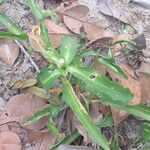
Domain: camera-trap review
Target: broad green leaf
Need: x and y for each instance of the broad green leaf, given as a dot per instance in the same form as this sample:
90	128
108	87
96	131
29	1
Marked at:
36	11
38	115
47	77
7	22
44	34
10	35
138	110
111	64
145	130
68	48
107	121
71	100
67	139
109	91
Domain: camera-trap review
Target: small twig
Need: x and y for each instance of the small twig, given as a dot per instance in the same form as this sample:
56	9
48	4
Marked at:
28	56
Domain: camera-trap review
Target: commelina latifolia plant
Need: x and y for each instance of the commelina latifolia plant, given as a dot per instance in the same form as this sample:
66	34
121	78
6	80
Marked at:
67	67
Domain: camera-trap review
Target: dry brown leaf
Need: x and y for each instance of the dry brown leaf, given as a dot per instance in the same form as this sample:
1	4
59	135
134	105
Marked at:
57	29
5	118
56	32
109	9
42	141
23	83
144	75
135	87
81	130
146	53
95	113
73	24
93	32
23	106
8	51
9	141
78	11
105	110
71	147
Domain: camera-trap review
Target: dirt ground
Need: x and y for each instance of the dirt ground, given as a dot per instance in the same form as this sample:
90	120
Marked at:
22	69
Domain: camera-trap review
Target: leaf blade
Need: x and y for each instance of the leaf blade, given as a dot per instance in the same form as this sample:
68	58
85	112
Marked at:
110	91
68	48
71	99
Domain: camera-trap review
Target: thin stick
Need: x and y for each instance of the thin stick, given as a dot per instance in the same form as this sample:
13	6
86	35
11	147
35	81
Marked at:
28	56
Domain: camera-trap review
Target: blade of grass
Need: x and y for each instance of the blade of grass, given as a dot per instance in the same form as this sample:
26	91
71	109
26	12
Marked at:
67	140
71	100
12	27
9	35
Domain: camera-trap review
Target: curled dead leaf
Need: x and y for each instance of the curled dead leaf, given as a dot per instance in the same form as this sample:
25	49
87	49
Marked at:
9	141
23	106
8	51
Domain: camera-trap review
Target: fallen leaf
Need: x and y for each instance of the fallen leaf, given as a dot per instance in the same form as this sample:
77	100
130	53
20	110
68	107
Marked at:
78	11
108	8
5	118
8	51
135	87
144	75
42	141
146	53
56	32
23	106
71	147
93	32
23	83
57	29
81	130
94	112
9	141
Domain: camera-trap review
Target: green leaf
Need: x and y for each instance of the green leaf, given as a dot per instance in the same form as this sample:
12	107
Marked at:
52	14
68	48
38	115
138	110
115	144
109	91
111	64
36	11
52	127
44	34
2	1
10	35
67	139
71	100
47	77
107	121
55	57
12	27
145	130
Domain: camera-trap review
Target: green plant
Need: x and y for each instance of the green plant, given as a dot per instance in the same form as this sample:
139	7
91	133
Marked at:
67	67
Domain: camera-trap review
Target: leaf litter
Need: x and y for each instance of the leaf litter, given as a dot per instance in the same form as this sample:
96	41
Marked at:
74	20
